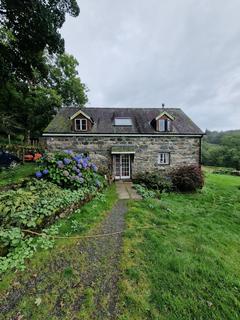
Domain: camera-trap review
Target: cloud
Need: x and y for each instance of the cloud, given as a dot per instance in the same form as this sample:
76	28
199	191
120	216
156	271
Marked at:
142	53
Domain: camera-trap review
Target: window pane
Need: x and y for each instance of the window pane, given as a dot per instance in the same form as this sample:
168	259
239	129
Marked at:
77	124
123	121
84	124
168	122
162	125
163	158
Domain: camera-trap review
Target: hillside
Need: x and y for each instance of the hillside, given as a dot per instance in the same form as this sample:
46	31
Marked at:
221	148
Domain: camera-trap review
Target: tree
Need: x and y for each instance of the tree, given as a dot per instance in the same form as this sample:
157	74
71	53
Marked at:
222	149
34	106
63	77
36	77
34	27
9	125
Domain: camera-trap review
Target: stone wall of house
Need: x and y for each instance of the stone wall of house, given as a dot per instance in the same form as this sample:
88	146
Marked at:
183	150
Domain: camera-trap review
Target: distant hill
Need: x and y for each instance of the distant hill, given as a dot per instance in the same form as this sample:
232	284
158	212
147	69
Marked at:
221	148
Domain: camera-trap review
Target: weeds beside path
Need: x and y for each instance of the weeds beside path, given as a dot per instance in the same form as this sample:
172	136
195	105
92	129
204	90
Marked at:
77	280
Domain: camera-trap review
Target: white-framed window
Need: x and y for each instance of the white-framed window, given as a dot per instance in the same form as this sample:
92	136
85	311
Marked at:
164	125
81	124
164	158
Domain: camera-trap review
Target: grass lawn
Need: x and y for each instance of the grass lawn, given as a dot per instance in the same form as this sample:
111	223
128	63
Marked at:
188	265
15	175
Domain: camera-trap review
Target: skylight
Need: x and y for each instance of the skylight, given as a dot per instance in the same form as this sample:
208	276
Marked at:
123	122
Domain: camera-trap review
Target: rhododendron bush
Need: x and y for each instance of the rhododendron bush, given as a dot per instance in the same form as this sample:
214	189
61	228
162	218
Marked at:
69	170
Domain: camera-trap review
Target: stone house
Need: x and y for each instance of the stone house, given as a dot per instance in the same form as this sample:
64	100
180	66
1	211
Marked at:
127	141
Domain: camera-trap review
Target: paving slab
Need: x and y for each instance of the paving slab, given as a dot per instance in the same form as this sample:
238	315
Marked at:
126	191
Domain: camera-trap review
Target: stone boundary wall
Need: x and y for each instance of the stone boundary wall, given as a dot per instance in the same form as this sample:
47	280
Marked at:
183	150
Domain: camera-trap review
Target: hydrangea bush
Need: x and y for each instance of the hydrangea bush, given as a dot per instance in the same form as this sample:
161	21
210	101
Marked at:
69	170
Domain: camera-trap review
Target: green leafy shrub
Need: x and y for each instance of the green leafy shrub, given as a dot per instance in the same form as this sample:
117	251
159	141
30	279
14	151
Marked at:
36	202
187	178
144	192
155	180
70	170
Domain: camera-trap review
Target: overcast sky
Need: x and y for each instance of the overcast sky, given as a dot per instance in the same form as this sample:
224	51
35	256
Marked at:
142	53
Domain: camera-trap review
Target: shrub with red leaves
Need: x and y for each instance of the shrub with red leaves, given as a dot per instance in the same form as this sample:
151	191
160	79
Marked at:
187	178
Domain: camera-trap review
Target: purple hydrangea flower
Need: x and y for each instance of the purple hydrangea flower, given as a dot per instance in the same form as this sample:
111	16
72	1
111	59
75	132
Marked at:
84	164
76	159
60	164
68	152
78	170
65	173
38	174
81	180
79	174
74	168
94	167
45	171
79	166
67	161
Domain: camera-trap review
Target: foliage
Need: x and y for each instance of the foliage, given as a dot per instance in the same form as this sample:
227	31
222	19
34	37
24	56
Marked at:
31	205
221	149
144	192
187	178
70	170
22	246
29	28
36	76
155	180
186	265
8	124
63	78
29	108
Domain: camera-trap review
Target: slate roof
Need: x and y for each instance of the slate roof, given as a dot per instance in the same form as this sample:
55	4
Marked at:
142	121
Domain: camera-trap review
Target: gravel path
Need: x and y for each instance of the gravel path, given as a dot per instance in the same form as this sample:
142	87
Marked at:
92	284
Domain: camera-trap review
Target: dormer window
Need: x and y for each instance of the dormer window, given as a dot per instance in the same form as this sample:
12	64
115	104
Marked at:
81	124
164	122
81	121
164	125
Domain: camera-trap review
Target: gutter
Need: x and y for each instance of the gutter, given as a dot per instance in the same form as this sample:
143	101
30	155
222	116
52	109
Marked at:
200	135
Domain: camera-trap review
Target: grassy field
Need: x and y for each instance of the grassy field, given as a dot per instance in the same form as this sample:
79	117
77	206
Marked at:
188	265
15	175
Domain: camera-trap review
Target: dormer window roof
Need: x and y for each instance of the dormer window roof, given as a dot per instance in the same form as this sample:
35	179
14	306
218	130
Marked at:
122	121
79	113
165	114
164	122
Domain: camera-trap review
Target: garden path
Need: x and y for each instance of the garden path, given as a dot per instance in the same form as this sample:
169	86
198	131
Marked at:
126	191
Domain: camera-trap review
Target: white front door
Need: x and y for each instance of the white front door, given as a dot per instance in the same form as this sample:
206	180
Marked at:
122	166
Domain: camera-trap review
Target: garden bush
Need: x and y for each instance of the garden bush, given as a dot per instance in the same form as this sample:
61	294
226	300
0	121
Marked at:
69	170
187	178
144	192
32	207
35	203
155	180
